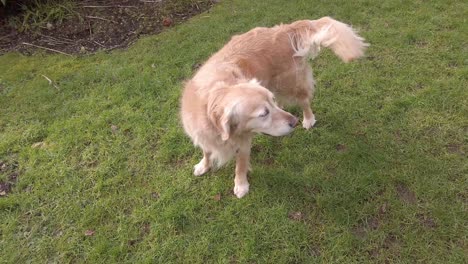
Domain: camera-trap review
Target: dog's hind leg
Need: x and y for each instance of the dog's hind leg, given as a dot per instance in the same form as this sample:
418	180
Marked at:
204	165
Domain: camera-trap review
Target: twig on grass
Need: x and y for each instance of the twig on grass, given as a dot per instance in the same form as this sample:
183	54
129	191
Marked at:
51	82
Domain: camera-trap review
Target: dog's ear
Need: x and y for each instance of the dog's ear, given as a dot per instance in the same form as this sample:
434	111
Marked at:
221	114
221	118
224	126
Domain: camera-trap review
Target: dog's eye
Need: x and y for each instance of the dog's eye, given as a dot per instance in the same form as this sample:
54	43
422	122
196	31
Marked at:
265	113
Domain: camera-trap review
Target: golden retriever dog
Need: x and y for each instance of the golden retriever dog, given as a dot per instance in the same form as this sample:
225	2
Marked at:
233	95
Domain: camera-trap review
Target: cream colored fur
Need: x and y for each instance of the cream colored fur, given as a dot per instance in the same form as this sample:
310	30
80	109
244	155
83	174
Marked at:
232	96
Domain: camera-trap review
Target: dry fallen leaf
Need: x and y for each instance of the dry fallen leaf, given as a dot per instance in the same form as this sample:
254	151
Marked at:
383	208
39	145
217	197
167	22
295	215
114	128
89	232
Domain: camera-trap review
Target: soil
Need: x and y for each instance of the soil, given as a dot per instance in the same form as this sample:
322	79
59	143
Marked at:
341	147
372	222
100	25
427	221
405	194
11	169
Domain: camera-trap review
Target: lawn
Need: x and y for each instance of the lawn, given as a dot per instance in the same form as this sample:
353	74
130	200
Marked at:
97	168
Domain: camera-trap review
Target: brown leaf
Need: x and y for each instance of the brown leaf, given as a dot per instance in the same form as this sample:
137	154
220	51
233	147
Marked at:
383	208
217	197
3	166
114	128
89	232
167	22
373	222
295	216
155	195
39	145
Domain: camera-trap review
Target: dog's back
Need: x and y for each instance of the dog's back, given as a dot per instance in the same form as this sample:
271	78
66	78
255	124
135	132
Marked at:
266	52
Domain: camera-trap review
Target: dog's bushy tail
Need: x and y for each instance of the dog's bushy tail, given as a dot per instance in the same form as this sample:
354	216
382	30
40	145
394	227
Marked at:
329	33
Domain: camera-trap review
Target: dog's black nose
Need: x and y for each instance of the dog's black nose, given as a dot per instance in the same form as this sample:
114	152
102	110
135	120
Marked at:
293	121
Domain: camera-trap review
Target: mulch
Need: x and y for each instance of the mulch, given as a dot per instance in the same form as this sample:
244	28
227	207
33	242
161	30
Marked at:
100	25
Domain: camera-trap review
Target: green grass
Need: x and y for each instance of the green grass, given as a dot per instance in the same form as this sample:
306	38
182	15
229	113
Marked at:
383	176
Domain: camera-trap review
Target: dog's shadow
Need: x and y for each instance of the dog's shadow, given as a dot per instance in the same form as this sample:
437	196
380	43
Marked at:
280	183
276	170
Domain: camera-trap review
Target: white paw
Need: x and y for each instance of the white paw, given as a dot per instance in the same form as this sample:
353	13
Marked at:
308	123
240	190
200	169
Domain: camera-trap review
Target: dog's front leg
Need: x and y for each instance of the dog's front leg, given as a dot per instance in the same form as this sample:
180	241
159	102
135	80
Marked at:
241	184
204	165
309	117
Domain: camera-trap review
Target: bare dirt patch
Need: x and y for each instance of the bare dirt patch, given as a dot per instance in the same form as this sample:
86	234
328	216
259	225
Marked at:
455	149
5	188
341	147
389	244
427	221
405	194
11	169
100	25
370	223
365	226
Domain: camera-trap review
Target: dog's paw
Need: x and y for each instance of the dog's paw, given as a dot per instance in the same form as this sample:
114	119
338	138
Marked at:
200	169
308	123
240	190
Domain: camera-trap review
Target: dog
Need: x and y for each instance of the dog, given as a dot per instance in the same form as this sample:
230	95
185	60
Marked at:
233	95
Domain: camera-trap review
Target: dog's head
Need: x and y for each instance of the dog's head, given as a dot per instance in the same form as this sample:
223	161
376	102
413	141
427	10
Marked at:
246	108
